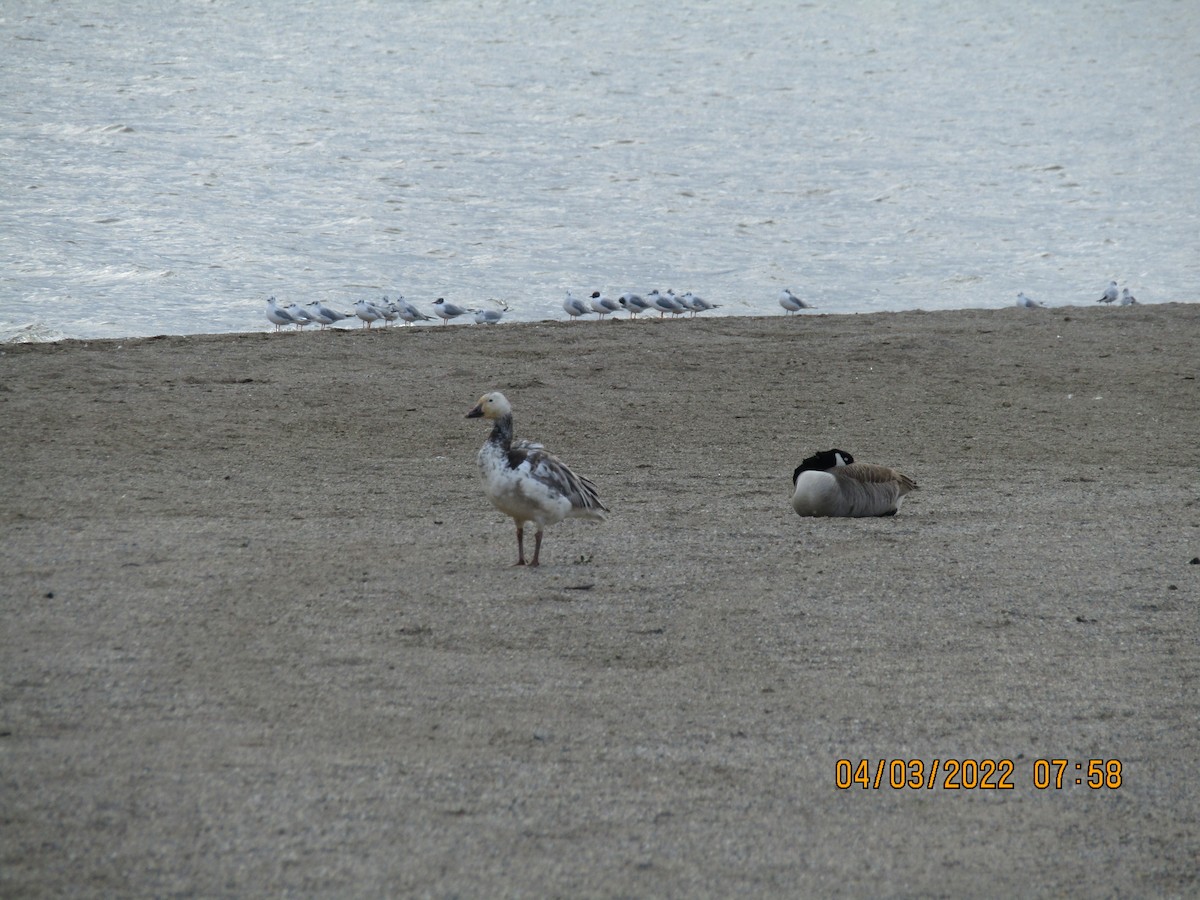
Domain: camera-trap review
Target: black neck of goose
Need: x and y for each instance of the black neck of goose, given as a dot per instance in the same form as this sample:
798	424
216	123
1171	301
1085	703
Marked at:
502	432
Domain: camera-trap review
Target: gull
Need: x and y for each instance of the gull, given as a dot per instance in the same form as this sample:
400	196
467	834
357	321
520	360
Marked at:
831	483
681	308
324	315
491	317
634	303
697	304
1127	299
574	307
602	305
1029	302
664	303
410	313
527	482
299	315
367	311
792	303
278	317
447	311
389	310
1110	293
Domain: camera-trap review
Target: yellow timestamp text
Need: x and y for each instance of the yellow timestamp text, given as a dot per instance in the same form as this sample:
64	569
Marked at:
954	774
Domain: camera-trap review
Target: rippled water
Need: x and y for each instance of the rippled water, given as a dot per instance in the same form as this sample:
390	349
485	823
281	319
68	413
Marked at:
167	166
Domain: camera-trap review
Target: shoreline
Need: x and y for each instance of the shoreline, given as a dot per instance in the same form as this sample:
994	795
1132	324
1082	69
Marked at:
263	634
16	330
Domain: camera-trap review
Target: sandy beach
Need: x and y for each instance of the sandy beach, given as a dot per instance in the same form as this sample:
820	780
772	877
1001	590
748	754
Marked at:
262	634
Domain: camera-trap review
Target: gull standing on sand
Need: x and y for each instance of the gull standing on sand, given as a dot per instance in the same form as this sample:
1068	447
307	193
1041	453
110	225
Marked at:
1029	302
410	313
602	305
324	315
831	483
663	303
299	315
697	304
1110	293
1127	299
389	310
366	311
792	303
527	482
491	316
276	316
574	307
447	311
634	303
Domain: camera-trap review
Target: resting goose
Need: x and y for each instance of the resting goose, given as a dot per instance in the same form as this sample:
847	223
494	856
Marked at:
831	483
526	481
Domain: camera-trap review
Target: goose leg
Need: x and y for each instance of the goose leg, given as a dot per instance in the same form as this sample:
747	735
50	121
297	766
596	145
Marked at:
537	547
521	545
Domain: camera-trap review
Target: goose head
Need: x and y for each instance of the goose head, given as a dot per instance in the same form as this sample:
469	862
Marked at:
491	406
823	462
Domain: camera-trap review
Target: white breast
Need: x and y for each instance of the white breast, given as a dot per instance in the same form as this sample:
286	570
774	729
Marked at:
817	494
516	493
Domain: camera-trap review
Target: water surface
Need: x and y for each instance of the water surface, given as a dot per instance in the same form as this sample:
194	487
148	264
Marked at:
169	166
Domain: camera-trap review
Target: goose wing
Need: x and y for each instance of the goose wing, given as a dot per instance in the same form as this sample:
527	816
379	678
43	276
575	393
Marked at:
869	473
548	470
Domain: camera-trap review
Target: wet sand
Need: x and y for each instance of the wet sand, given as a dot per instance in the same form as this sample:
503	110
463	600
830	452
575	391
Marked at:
262	634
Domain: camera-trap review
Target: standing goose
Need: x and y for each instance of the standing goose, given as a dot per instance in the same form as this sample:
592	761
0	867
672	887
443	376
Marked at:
831	483
526	481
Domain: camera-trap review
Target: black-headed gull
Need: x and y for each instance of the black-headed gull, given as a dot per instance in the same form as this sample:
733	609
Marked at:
389	310
491	316
697	304
1127	299
278	316
574	307
447	311
367	311
1029	302
664	303
410	313
324	315
299	315
792	303
1110	293
634	303
602	305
